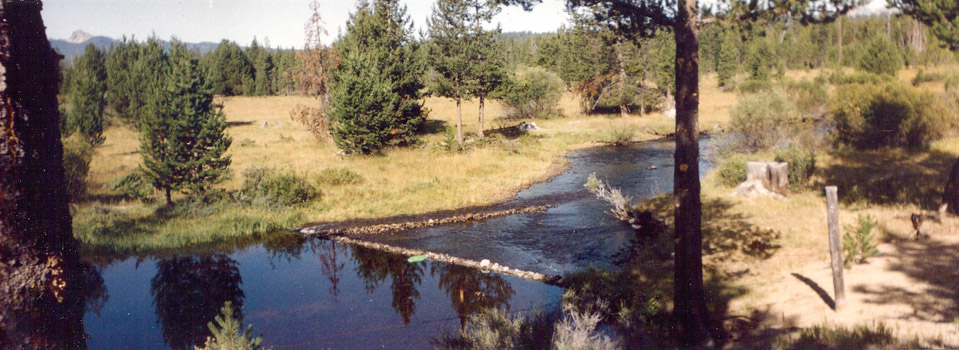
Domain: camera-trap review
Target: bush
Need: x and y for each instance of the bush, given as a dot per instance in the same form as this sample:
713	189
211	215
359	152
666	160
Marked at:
268	187
802	164
77	154
894	114
732	171
880	56
133	186
752	86
534	93
857	243
810	98
339	176
760	59
840	78
762	121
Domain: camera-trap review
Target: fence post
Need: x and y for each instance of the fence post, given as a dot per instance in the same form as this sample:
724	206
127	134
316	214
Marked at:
835	247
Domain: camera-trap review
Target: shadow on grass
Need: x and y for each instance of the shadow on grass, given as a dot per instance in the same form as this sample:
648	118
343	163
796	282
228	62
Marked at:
889	176
432	126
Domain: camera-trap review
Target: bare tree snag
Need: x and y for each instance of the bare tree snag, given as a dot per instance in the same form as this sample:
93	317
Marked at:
835	247
40	304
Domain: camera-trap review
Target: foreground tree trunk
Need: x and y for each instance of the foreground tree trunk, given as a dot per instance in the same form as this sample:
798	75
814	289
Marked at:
950	197
40	304
482	111
689	295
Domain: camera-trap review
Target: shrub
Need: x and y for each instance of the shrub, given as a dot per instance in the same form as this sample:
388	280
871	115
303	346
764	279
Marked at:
271	188
857	243
339	176
894	114
621	204
133	185
732	171
534	93
620	136
839	78
77	154
810	98
802	164
228	333
752	86
760	59
762	121
880	56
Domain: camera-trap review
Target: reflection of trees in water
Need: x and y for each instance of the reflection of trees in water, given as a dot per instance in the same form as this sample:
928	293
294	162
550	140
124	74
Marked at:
189	291
471	291
326	250
374	266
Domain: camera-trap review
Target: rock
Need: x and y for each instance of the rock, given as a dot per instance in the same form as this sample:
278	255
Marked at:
485	263
524	126
670	113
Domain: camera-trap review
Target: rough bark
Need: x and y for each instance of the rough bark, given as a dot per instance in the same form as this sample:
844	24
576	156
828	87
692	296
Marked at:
950	197
689	294
40	274
482	112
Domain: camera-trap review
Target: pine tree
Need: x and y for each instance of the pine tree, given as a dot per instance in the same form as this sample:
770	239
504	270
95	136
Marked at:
88	95
727	59
231	71
183	139
147	77
490	61
121	83
452	49
377	99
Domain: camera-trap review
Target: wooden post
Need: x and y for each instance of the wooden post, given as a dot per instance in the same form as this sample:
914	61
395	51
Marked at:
835	247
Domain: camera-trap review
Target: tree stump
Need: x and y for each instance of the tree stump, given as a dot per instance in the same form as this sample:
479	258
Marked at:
764	179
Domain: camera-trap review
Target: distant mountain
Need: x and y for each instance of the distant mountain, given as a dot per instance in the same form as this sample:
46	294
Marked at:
74	46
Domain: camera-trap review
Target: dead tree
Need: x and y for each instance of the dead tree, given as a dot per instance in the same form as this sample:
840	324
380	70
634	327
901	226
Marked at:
40	304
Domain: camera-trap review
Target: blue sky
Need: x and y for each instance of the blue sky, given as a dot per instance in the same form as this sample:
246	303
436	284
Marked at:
280	21
240	20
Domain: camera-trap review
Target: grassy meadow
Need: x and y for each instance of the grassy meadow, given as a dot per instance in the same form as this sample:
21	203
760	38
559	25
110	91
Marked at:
402	181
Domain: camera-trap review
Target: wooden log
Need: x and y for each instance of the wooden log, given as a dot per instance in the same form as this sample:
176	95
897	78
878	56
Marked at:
835	247
779	177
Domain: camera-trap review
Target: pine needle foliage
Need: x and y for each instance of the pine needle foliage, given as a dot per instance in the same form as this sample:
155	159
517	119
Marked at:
377	98
857	243
87	93
227	335
183	137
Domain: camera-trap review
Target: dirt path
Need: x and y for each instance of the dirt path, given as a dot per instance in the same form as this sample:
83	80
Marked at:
911	287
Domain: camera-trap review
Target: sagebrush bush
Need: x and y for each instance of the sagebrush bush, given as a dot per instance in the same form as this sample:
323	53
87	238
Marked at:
880	56
77	154
339	176
869	116
810	98
732	171
752	86
840	78
132	185
272	188
802	164
533	93
762	121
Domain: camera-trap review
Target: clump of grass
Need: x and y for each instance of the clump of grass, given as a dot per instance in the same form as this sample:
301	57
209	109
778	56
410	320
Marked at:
823	336
857	243
338	177
732	171
618	136
271	188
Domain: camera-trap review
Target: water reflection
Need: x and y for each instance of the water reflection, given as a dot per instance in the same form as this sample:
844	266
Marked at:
471	291
374	267
326	252
188	292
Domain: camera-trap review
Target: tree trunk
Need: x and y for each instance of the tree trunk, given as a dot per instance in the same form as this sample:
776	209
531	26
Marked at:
168	198
839	20
40	271
950	197
459	122
623	108
482	111
688	292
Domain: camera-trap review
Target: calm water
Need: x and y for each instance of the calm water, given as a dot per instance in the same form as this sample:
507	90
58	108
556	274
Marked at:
304	293
311	295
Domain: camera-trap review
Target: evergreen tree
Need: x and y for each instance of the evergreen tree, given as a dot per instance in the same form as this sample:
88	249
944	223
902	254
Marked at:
183	139
490	70
727	59
452	49
231	71
121	82
880	56
88	95
376	101
147	72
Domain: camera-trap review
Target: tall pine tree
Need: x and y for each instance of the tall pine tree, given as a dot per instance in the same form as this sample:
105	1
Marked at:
147	77
377	99
452	49
88	95
183	137
121	83
489	59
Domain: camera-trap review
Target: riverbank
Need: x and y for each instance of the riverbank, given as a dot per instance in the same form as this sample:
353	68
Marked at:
401	182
